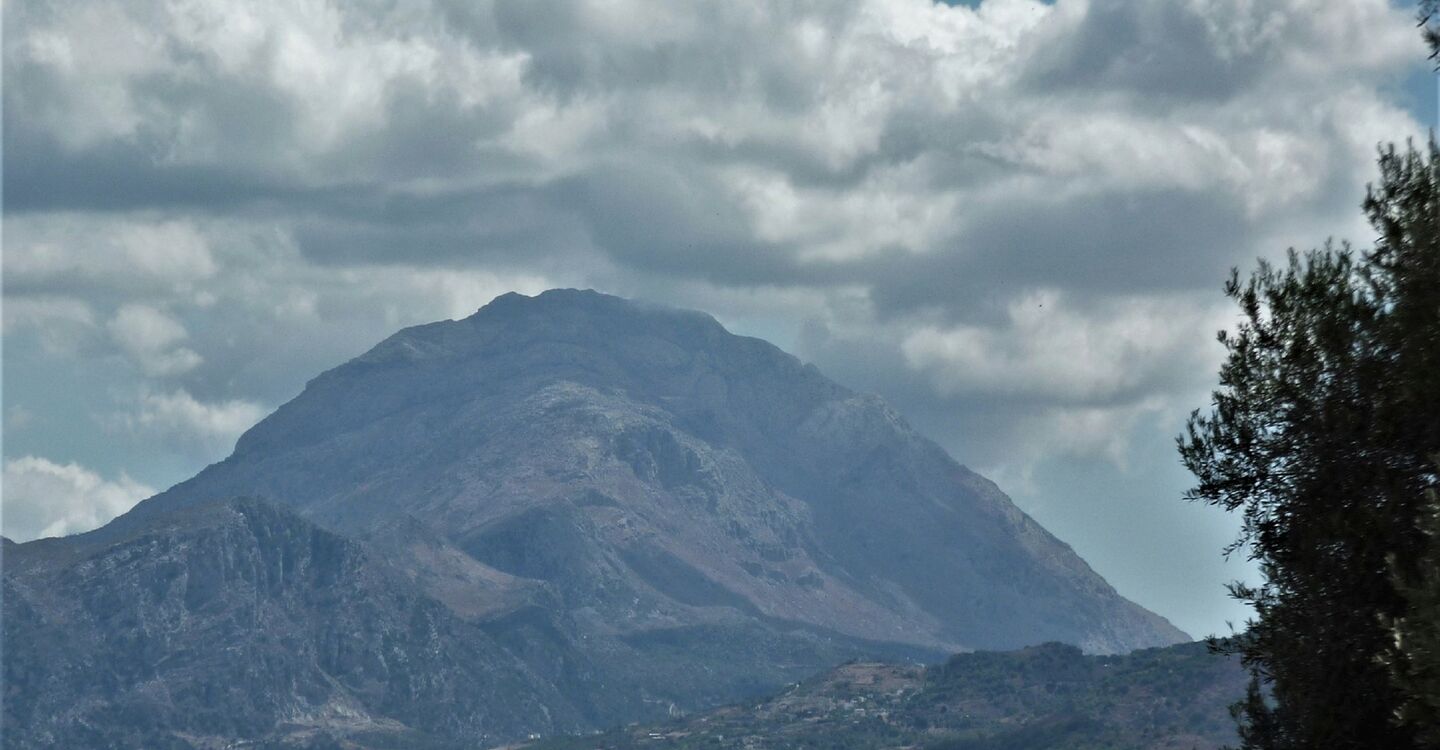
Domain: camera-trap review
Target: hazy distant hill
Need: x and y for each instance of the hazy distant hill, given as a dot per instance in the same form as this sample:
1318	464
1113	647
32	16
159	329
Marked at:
1048	697
605	511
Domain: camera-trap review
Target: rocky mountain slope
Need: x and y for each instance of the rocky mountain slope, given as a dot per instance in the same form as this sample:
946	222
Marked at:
240	619
1048	697
625	509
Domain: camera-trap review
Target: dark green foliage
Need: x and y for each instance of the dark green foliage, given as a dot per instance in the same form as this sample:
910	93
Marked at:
1320	436
1429	12
1254	717
1415	660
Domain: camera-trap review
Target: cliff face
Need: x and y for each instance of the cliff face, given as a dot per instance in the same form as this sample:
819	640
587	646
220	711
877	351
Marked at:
240	619
650	512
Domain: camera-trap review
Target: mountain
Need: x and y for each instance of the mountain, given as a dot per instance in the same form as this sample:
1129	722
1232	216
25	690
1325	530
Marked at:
625	510
1047	697
241	619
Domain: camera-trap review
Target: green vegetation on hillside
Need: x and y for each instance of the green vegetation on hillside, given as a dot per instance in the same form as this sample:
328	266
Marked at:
1049	696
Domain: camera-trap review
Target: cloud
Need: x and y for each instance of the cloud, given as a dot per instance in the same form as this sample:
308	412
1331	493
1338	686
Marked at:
63	325
98	254
1200	52
934	155
205	429
1054	350
151	338
44	498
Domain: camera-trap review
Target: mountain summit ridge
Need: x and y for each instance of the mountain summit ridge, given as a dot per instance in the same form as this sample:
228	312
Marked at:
640	505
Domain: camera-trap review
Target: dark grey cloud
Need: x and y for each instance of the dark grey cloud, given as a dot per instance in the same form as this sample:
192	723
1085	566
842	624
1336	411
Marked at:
1107	243
573	51
1180	53
498	224
41	176
661	220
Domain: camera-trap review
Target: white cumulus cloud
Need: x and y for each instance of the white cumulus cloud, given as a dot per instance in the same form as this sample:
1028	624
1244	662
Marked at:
151	339
180	419
1049	348
43	498
137	255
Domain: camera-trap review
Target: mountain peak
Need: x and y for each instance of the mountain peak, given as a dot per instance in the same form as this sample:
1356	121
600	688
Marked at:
550	298
589	312
566	300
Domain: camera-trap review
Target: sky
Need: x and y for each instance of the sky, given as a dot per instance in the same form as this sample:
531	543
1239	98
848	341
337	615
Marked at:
1011	219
